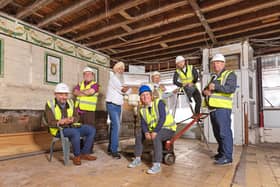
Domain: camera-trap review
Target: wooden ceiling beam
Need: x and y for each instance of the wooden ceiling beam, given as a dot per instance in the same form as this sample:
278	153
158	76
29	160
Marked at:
240	9
147	48
228	23
129	21
32	8
146	27
127	28
4	3
65	11
182	45
141	36
212	20
203	21
100	16
124	14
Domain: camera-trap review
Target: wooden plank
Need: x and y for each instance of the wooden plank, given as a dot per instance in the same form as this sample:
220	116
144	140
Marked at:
22	143
203	20
101	16
32	8
4	3
130	20
65	11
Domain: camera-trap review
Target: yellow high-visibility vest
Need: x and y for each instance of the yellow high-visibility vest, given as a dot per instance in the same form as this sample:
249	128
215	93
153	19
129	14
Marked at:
87	103
186	78
58	115
152	118
221	100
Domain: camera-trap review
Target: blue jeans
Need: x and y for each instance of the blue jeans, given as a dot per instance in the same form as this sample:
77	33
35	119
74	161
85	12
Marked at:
114	112
221	123
74	135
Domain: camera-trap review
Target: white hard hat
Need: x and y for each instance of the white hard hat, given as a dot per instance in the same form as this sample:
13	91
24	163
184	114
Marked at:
179	59
218	57
155	73
87	69
62	88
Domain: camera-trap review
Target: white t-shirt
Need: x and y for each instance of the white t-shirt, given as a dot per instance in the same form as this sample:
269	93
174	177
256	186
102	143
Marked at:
114	93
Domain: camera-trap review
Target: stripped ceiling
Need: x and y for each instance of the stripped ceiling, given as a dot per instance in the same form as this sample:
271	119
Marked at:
154	32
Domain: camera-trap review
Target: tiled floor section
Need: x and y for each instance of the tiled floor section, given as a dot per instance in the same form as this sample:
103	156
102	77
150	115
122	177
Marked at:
193	168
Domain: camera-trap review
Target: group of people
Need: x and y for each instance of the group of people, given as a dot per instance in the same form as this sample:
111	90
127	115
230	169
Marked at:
157	124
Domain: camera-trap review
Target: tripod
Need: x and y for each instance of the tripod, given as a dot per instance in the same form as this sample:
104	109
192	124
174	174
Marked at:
196	120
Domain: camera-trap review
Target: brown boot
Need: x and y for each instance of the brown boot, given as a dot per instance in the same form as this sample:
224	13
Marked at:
88	157
77	160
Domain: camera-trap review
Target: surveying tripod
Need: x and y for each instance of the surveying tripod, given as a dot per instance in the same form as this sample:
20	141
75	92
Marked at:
196	119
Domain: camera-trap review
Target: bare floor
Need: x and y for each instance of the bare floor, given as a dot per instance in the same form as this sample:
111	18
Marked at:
193	167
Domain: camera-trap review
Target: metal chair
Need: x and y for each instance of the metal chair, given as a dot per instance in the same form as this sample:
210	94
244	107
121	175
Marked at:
65	143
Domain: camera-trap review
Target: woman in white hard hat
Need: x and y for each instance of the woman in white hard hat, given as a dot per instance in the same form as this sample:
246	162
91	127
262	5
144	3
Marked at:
114	101
219	93
60	112
157	88
186	77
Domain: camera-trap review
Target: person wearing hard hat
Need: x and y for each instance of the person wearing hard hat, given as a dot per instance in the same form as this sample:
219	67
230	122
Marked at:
114	100
186	77
86	93
157	88
157	125
60	112
219	93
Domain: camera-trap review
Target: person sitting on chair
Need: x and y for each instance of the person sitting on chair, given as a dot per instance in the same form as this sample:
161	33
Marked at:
188	77
60	112
157	125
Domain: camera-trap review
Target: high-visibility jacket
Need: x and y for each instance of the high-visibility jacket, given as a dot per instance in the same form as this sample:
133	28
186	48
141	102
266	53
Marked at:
58	115
186	78
151	118
87	103
221	100
157	92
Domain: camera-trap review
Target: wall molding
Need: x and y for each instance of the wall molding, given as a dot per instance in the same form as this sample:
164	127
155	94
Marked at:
22	31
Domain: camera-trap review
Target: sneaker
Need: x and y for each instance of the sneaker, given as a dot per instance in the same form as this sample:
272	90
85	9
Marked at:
136	162
116	155
155	169
223	161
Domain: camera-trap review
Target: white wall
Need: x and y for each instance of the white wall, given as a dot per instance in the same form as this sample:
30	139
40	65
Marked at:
23	83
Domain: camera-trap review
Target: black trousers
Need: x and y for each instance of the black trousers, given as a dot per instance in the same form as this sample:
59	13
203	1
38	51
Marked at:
194	92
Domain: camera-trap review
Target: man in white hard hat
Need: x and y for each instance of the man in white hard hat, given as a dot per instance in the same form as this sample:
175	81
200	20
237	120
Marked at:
186	77
218	95
60	112
86	93
157	88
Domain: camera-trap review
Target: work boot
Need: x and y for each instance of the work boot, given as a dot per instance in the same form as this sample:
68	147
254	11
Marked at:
223	161
77	160
116	155
136	162
155	169
88	157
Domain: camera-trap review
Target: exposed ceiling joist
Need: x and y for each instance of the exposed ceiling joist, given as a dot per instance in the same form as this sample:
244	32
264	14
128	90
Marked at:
65	11
101	16
154	12
127	28
203	21
32	8
4	3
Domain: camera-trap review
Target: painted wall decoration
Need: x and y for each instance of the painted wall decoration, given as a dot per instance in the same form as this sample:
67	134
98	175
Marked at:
53	68
20	30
